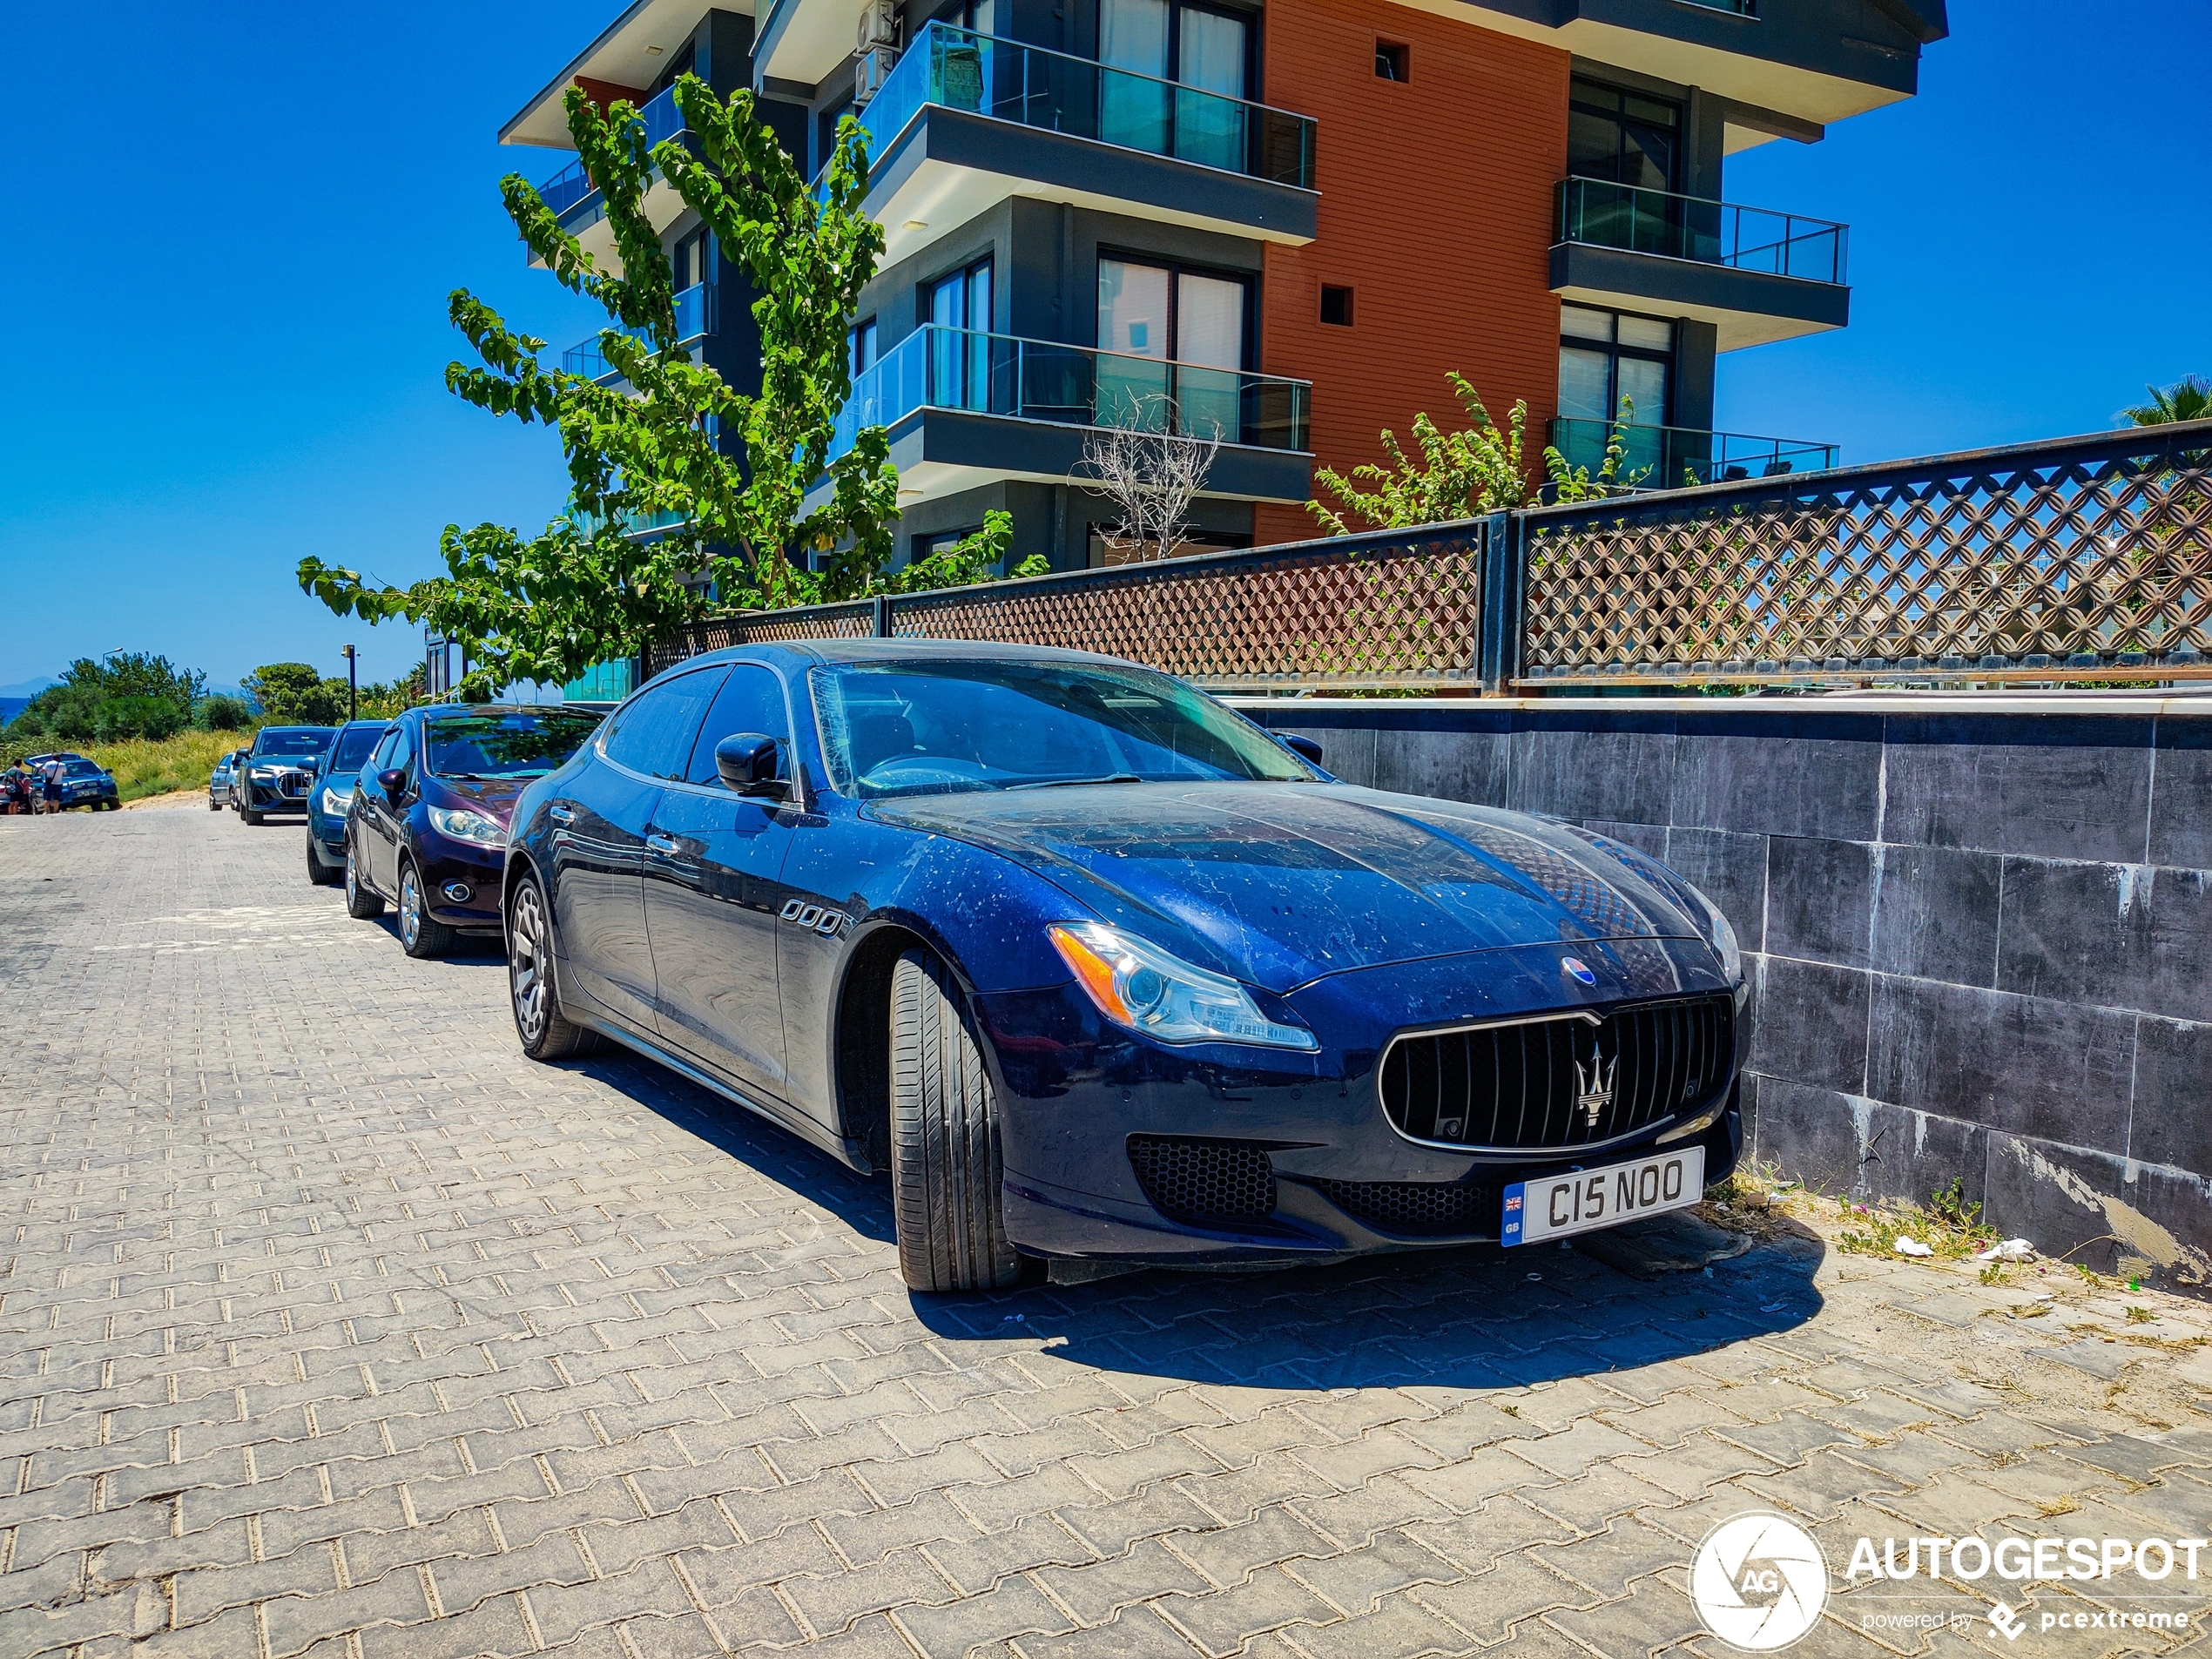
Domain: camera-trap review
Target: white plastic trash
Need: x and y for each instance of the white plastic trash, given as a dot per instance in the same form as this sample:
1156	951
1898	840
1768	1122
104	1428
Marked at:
1913	1247
2012	1250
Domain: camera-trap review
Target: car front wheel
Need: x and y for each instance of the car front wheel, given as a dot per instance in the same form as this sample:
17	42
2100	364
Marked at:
318	872
945	1164
362	903
421	934
546	1034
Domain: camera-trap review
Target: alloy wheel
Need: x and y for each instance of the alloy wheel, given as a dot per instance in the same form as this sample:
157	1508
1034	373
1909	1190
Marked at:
526	963
410	908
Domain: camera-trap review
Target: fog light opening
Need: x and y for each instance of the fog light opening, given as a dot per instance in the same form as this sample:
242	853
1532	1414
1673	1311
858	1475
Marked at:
457	891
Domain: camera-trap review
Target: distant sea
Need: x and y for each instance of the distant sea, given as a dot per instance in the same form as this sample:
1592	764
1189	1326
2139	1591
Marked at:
11	706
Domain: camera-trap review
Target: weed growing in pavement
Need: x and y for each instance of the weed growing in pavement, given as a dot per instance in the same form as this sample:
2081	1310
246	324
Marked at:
1950	1225
2140	1315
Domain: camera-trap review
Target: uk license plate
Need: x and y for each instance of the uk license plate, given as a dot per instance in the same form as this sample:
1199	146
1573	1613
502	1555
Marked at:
1584	1200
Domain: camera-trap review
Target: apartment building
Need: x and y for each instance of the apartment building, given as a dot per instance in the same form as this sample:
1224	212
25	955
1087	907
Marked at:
1275	222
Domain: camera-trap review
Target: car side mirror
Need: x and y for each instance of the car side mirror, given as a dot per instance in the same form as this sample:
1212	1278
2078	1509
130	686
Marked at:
1304	747
749	764
392	782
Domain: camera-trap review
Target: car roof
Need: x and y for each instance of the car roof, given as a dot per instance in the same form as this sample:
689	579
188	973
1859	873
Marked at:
796	652
428	709
280	731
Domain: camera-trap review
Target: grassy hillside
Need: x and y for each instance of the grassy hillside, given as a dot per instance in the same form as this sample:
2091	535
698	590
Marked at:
182	762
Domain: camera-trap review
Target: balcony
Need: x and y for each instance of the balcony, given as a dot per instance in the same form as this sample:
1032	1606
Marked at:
1757	275
940	150
1667	457
581	209
694	322
965	408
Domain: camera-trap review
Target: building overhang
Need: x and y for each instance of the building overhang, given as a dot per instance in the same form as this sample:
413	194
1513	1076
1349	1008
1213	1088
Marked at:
948	166
629	56
1748	307
1813	62
941	452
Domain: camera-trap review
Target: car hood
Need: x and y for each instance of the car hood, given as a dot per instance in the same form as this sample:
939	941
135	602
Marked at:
1283	883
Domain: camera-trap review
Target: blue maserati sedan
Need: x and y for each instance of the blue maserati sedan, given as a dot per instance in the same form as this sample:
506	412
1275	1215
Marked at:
1101	972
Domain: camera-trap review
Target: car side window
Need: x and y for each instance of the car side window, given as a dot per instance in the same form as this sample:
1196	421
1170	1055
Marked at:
752	699
653	731
381	757
402	751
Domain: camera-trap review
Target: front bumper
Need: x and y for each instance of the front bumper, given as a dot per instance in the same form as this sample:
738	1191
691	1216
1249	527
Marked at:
272	797
442	862
1083	1100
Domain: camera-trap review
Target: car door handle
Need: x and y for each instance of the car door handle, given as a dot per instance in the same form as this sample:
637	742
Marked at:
661	843
561	814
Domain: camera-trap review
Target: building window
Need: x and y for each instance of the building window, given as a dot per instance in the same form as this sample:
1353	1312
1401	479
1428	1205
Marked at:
864	346
1191	326
1605	357
693	260
1625	137
1336	306
1173	40
960	347
1393	61
1106	548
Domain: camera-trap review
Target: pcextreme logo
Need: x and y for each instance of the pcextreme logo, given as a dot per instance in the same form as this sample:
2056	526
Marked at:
1759	1582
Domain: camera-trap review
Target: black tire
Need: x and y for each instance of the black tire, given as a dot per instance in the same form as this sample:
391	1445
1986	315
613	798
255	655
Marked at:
215	805
318	872
945	1166
532	991
363	903
250	819
421	934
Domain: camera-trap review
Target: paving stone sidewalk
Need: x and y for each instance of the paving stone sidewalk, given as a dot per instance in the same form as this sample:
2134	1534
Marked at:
330	1324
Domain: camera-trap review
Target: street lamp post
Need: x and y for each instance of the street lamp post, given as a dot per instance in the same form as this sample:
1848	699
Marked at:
353	685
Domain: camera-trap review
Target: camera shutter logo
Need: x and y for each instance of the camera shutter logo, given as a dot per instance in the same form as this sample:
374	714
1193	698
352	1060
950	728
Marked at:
1759	1582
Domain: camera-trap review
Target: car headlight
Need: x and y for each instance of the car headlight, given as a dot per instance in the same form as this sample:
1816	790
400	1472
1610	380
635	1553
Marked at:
465	823
1140	986
1722	936
336	801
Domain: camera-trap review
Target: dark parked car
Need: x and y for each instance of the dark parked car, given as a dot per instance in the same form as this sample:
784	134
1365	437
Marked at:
330	793
1099	969
85	783
427	829
278	770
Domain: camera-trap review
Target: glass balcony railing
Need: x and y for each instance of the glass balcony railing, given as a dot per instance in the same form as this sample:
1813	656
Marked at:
1667	457
1040	379
570	186
1603	214
694	320
962	70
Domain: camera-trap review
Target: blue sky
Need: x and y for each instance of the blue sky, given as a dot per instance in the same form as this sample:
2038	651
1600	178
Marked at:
237	227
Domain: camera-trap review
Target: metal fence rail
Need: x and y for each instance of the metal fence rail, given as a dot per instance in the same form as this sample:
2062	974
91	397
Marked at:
2088	553
2087	558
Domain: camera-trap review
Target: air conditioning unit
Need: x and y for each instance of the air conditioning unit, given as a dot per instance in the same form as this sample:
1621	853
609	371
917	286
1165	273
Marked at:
876	52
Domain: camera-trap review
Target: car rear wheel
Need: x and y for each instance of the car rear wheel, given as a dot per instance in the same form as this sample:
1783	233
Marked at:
546	1034
318	872
421	934
945	1166
362	903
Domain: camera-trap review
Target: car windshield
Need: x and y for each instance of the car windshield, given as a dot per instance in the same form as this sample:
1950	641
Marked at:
936	726
290	744
353	746
80	769
522	743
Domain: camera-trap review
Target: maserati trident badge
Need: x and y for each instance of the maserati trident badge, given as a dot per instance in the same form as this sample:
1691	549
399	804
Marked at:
1594	1086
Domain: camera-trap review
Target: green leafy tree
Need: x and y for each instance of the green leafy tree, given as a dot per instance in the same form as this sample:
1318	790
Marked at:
381	701
976	558
1464	474
221	714
2188	398
293	694
586	589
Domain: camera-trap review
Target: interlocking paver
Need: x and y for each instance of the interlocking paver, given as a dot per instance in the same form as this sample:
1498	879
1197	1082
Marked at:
329	1325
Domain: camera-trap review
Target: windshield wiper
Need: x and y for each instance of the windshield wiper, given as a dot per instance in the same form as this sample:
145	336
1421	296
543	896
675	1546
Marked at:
1066	783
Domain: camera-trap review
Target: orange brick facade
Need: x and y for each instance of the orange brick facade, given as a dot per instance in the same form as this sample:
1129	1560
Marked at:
1436	210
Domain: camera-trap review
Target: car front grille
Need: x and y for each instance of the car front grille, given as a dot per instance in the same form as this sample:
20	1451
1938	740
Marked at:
1204	1182
1545	1082
1417	1209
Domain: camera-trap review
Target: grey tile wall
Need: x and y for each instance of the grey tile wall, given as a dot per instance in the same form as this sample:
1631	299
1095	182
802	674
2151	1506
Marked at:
1981	943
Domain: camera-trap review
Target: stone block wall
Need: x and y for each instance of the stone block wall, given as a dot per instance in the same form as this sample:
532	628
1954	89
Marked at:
1978	929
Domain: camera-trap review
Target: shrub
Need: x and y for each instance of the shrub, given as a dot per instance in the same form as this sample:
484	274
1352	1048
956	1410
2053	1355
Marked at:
220	714
151	717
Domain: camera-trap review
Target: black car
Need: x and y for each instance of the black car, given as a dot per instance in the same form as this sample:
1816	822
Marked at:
278	770
1099	969
427	827
330	795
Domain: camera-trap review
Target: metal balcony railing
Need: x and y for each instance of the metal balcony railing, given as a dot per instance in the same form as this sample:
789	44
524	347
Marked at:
1602	215
1667	457
694	321
570	186
961	69
1042	380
